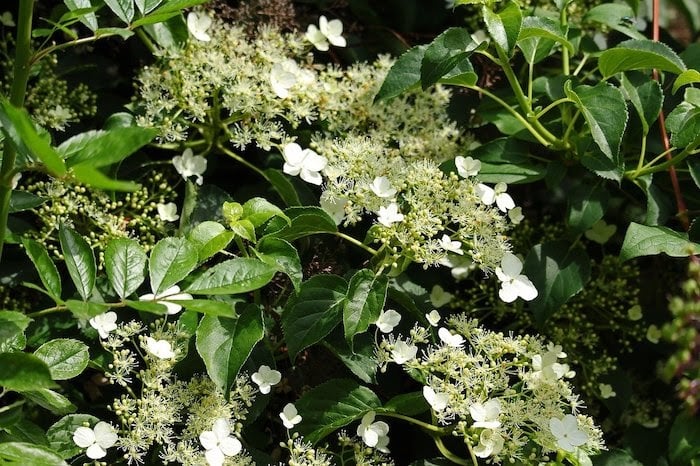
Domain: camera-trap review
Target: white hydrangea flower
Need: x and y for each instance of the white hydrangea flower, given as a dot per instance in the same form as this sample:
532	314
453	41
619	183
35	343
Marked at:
104	323
606	391
467	166
567	433
97	440
287	74
162	349
164	298
513	283
455	340
490	443
167	212
403	352
303	162
198	24
266	378
189	164
381	186
388	320
437	400
439	297
328	31
448	245
387	216
374	434
496	194
334	206
546	366
516	215
433	317
290	416
460	266
219	443
486	415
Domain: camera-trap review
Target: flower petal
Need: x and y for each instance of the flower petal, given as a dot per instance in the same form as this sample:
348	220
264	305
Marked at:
84	437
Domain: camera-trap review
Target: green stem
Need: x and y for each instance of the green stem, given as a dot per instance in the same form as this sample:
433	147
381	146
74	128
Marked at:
451	456
433	429
565	52
146	41
241	160
55	48
471	450
552	105
650	168
642	151
18	91
356	242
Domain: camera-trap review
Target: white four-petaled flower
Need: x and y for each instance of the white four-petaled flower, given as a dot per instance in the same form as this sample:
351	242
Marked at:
448	245
328	31
303	162
496	194
439	297
162	349
334	206
104	323
265	378
167	212
387	216
513	283
287	74
219	443
467	166
381	186
567	433
164	298
374	434
455	340
436	400
486	414
189	164
388	320
433	317
198	24
290	416
490	443
97	440
403	352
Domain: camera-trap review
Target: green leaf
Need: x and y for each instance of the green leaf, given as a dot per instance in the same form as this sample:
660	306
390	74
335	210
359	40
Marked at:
637	54
124	33
615	457
168	30
587	205
30	454
60	434
283	256
177	5
147	306
504	26
66	358
280	182
685	78
24	372
642	240
408	404
613	15
360	359
646	96
146	6
544	28
259	210
209	238
688	131
23	200
365	300
605	111
92	176
85	310
100	148
172	259
80	260
225	344
233	214
558	271
51	400
535	48
333	405
124	9
48	272
233	276
305	221
684	439
443	54
405	74
314	312
207	306
25	430
21	133
12	327
125	264
89	19
506	160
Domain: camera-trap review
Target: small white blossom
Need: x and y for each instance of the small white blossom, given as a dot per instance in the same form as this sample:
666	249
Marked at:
328	31
606	391
516	215
436	400
546	366
513	283
456	340
448	245
433	317
96	440
496	194
167	212
600	232
189	164
219	443
467	166
387	216
290	416
285	75
15	178
490	443
653	334
381	186
439	297
403	352
303	162
374	434
486	414
164	298
104	323
6	19
635	312
265	378
162	349
198	24
334	206
460	266
567	433
388	320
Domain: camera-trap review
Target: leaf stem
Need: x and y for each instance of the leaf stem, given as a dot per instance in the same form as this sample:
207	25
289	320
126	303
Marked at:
449	455
433	429
552	105
356	242
241	160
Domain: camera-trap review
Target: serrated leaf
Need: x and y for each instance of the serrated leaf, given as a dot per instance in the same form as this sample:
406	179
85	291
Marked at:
124	9
89	19
687	77
305	221
25	430
45	266
314	312
361	359
233	276
85	310
283	256
172	259
66	358
646	97
51	400
24	372
403	75
60	434
364	302
504	26
12	327
92	176
224	344
636	54
684	439
642	240
209	238
443	54
688	131
587	205
535	49
125	264
100	148
259	210
146	6
80	260
333	405
29	453
544	28
613	15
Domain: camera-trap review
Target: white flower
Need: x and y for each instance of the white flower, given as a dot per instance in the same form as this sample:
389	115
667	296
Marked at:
486	415
167	212
104	323
334	206
219	443
328	31
16	177
448	245
388	320
266	378
381	186
96	440
389	215
162	349
460	266
197	25
513	283
436	400
516	215
439	297
374	434
283	76
290	416
171	294
402	352
600	232
467	166
546	366
189	164
490	443
606	391
449	339
635	312
496	194
306	163
567	433
433	317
